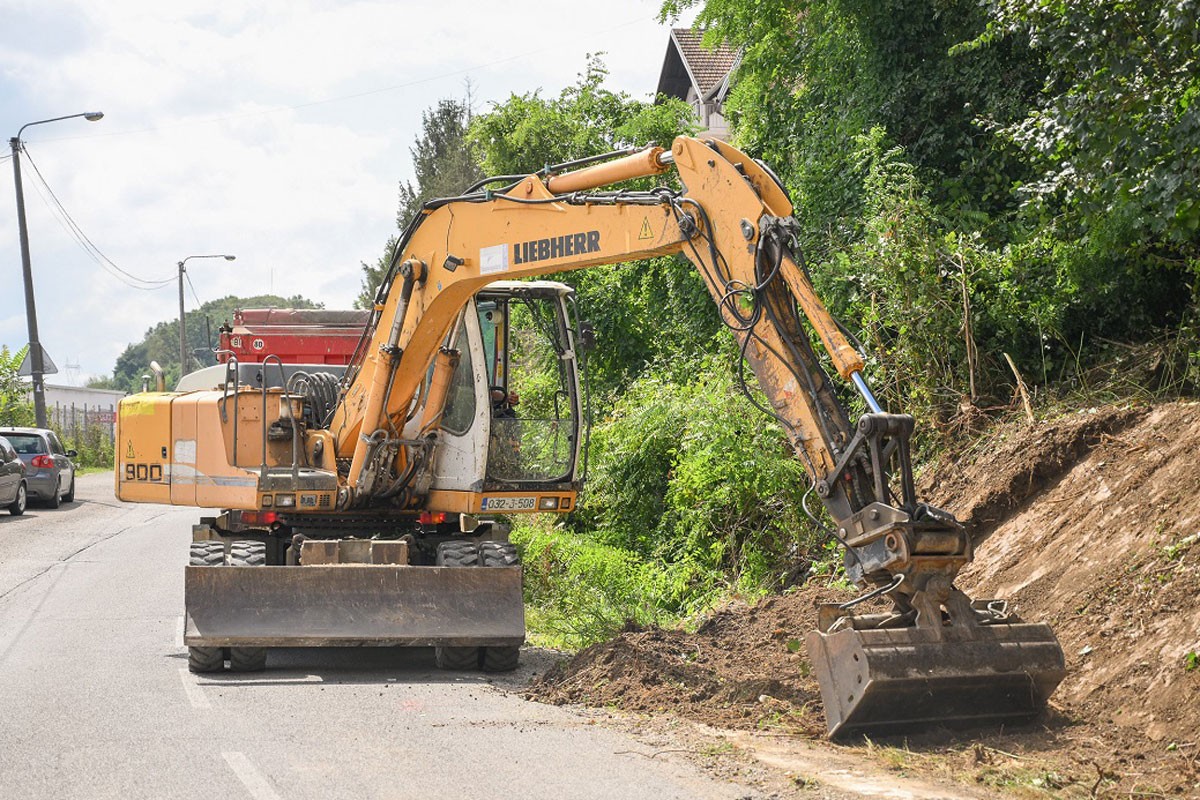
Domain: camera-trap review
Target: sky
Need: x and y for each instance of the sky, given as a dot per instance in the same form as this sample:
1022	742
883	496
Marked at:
273	130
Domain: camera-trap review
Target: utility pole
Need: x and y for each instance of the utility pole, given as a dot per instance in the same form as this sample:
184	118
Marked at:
183	348
37	365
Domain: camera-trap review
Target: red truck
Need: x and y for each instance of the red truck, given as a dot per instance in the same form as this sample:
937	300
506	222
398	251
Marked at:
295	335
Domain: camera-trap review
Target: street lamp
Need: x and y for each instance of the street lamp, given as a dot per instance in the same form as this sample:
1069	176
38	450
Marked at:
183	352
35	347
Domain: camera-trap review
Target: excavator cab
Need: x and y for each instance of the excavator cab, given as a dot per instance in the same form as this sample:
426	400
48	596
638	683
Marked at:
512	422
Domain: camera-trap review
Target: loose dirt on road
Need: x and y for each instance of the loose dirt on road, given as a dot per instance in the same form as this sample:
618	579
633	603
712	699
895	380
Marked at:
1090	522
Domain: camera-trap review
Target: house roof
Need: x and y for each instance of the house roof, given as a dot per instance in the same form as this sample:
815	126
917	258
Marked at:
689	63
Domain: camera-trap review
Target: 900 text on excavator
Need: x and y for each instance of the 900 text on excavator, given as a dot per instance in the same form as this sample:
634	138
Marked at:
353	501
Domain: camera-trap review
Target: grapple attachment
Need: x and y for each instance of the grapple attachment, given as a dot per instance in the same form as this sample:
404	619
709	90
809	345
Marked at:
887	680
348	605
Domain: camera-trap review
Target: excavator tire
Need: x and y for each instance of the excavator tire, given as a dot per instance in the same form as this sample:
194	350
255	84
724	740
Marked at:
247	553
499	554
457	554
456	658
206	659
501	659
207	554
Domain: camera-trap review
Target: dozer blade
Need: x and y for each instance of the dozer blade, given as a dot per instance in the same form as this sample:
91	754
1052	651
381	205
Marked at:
886	681
349	605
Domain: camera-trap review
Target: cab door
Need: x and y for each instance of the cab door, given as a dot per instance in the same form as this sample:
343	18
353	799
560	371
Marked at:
462	440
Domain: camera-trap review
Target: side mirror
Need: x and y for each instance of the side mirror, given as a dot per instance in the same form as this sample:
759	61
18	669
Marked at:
587	336
71	454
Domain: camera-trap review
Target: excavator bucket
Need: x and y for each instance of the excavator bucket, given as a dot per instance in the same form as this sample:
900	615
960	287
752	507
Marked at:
353	604
889	680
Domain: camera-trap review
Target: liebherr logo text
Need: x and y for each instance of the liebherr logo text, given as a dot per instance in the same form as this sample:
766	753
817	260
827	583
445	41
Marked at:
572	244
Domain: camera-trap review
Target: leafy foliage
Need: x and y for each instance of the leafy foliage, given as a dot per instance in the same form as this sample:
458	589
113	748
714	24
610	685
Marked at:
974	180
15	409
1115	132
528	132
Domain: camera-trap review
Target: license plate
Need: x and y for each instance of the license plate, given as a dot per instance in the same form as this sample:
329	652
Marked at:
509	503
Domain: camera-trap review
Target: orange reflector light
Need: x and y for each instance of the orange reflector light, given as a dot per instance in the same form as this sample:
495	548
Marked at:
432	518
259	517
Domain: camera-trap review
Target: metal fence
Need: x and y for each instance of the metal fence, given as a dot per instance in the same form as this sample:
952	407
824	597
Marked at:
83	422
88	429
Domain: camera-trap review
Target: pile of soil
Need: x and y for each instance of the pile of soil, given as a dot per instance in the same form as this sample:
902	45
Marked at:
1089	523
744	667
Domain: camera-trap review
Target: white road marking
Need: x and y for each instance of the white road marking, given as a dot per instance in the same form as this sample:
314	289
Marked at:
179	634
195	694
255	782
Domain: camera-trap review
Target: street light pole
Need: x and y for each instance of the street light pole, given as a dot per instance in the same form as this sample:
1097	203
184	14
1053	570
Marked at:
37	365
183	351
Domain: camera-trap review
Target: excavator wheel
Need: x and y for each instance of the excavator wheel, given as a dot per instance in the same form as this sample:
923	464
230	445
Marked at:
457	554
498	554
206	659
501	659
247	553
456	658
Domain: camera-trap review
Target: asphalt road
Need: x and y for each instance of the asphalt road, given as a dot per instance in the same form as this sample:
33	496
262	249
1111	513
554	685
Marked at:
96	700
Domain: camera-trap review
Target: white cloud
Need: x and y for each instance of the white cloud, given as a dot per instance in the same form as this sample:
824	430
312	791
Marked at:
274	130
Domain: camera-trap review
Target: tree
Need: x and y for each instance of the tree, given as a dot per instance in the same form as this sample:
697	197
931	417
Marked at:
527	132
443	167
15	408
1115	134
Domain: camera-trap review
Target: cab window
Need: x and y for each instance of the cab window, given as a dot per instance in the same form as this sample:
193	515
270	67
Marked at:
459	413
530	387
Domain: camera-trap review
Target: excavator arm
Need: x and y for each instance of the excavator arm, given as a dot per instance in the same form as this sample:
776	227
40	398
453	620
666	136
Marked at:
938	655
732	221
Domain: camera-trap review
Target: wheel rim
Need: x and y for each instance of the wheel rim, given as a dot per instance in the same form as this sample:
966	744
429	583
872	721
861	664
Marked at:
21	497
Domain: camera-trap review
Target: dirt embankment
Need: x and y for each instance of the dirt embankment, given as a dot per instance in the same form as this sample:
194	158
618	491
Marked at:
1089	523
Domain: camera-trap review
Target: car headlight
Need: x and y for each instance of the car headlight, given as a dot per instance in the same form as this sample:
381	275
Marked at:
285	500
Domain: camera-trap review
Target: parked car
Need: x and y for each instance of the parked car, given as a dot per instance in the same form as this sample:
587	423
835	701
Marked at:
49	470
13	491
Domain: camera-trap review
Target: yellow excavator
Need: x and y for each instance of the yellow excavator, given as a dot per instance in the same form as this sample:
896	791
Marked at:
366	506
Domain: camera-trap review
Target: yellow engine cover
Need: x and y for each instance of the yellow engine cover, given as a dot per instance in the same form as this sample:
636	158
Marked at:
175	448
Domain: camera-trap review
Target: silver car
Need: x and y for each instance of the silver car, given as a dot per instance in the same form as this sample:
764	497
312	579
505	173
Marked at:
49	470
12	479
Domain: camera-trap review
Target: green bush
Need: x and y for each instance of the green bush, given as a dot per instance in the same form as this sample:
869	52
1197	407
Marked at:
580	591
694	495
93	444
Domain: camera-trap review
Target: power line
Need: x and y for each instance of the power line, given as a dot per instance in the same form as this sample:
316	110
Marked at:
188	277
81	238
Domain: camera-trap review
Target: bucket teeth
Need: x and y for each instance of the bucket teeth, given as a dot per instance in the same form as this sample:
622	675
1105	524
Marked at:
884	681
